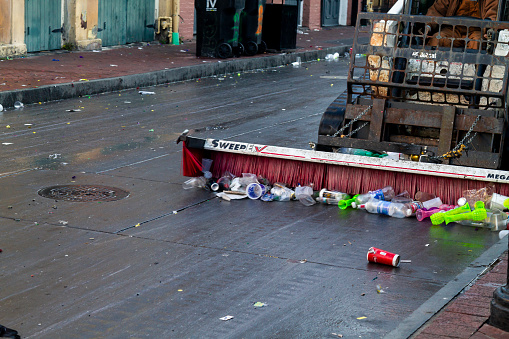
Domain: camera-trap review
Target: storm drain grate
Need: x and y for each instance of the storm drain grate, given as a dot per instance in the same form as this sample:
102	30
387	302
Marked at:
83	193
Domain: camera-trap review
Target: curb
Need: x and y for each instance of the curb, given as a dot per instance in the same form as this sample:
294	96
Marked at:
56	92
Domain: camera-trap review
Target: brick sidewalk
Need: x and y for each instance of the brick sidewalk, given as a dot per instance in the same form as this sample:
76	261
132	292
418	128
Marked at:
467	315
58	67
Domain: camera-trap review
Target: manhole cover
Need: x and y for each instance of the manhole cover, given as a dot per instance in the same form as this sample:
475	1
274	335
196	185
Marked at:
83	193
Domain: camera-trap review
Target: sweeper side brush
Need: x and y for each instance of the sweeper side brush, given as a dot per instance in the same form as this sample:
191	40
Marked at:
337	171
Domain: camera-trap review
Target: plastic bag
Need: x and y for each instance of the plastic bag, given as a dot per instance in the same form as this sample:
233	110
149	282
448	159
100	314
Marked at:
484	194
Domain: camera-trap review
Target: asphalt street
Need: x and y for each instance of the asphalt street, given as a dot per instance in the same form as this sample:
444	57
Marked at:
169	263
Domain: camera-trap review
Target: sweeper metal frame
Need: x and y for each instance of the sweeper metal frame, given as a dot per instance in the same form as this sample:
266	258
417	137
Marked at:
446	105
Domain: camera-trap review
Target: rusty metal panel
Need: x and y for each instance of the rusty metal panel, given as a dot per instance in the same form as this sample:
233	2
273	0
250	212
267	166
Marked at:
446	130
377	120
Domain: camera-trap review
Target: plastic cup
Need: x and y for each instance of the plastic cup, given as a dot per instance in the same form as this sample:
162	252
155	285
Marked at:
255	191
379	256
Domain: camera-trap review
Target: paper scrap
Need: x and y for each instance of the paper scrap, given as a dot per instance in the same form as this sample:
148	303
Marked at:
259	304
360	318
226	318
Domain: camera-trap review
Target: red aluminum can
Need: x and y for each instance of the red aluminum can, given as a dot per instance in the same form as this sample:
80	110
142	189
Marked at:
383	257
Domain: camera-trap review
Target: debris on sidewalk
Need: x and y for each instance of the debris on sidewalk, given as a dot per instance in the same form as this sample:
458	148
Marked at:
146	93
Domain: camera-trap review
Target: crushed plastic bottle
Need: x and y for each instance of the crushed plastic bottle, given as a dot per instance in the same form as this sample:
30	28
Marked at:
196	182
393	209
282	193
403	198
328	201
386	193
18	105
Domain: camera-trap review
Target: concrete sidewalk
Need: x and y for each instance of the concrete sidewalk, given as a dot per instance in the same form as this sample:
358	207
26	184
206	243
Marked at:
49	76
60	75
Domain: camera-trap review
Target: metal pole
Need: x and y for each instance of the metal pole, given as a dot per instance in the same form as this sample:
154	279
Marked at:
499	307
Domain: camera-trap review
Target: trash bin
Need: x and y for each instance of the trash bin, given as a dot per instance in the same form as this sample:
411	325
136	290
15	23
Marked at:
251	23
280	26
217	28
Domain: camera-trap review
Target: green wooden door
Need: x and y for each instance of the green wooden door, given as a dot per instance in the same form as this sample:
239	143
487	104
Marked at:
140	14
126	21
43	25
112	22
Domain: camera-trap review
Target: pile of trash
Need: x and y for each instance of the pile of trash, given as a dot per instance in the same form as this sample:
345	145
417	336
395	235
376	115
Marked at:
480	208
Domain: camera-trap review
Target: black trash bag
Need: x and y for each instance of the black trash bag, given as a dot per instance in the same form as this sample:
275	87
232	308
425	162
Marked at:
8	333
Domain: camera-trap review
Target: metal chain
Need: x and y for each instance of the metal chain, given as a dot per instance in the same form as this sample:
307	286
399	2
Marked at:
356	130
462	145
351	122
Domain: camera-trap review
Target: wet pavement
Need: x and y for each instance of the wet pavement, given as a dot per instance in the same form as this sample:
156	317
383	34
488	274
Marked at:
168	262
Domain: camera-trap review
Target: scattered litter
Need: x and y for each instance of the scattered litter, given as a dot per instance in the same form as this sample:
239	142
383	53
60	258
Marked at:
405	261
18	105
259	304
83	79
303	261
226	318
220	79
54	156
127	102
151	130
6	143
146	93
330	57
114	65
175	212
379	256
63	222
360	318
73	110
363	294
1	108
8	126
379	289
55	60
337	335
426	245
180	290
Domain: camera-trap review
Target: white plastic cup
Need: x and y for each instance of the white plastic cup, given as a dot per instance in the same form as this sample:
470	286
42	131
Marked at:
497	201
255	191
